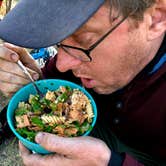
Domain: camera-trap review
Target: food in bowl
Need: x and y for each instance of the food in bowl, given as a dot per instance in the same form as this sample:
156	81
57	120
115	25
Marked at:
65	112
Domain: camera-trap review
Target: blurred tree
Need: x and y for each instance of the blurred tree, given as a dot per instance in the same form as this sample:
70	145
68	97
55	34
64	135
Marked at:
1	2
8	5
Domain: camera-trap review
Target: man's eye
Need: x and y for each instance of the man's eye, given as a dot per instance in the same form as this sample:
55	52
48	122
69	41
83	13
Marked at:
85	40
85	43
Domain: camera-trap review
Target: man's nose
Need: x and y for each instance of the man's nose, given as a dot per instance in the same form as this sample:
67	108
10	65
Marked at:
66	62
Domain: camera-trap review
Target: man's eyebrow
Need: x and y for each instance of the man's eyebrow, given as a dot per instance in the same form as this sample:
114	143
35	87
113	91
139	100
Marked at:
82	29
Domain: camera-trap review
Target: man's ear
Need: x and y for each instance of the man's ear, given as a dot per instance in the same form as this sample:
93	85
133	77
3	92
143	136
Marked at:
157	23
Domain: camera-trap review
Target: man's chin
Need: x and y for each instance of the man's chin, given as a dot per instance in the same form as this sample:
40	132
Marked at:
103	91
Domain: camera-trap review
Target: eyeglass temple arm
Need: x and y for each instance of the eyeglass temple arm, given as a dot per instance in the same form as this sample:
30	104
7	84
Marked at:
111	30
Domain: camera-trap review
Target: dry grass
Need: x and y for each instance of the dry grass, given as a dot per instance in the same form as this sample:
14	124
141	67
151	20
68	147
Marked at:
9	153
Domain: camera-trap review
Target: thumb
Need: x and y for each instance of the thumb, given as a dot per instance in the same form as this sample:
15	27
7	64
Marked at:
22	52
62	145
24	56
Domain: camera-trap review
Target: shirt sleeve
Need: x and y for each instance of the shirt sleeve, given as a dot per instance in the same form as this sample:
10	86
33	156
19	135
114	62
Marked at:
123	159
49	69
116	159
129	160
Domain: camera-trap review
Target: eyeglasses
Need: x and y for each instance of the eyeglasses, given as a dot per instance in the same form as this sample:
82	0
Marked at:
84	54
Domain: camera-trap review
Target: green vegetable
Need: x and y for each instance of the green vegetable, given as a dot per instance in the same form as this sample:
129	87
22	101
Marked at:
48	129
21	111
62	98
29	135
37	107
85	127
35	103
53	106
23	108
45	101
68	88
37	121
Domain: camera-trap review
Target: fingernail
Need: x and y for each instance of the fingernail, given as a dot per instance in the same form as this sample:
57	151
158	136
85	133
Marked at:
14	57
39	137
35	76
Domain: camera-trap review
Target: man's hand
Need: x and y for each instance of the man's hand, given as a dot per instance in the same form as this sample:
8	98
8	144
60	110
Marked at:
77	151
11	76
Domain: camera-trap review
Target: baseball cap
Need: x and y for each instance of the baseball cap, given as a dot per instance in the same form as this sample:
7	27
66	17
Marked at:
42	23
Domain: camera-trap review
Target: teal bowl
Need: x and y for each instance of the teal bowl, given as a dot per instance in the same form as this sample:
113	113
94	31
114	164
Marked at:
44	86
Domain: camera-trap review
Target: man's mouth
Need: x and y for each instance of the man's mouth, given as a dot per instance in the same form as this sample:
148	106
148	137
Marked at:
88	83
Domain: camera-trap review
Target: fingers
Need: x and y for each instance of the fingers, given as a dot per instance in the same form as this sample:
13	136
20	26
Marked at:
10	83
9	89
65	145
11	67
55	143
30	159
69	151
11	78
24	56
34	74
8	55
23	149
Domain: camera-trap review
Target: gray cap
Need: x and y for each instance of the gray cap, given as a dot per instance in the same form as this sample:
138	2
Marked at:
42	23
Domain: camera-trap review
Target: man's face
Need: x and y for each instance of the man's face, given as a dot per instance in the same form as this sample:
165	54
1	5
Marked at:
115	61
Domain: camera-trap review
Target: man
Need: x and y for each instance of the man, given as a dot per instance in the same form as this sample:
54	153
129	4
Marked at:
116	49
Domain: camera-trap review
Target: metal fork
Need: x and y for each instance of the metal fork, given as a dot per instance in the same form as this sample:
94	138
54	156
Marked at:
24	69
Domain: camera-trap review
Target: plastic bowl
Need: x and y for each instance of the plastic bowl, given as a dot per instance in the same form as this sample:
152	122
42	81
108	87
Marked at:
44	86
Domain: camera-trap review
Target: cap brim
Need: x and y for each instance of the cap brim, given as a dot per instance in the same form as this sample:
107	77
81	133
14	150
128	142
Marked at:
38	23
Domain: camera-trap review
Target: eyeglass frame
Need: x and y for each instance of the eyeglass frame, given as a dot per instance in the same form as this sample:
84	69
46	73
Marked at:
94	45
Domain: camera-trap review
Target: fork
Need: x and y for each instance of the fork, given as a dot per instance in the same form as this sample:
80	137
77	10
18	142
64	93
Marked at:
24	69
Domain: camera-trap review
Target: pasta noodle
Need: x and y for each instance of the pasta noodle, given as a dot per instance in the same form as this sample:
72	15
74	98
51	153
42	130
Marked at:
52	119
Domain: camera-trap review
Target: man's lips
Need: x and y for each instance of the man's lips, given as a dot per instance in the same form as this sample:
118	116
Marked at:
88	83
